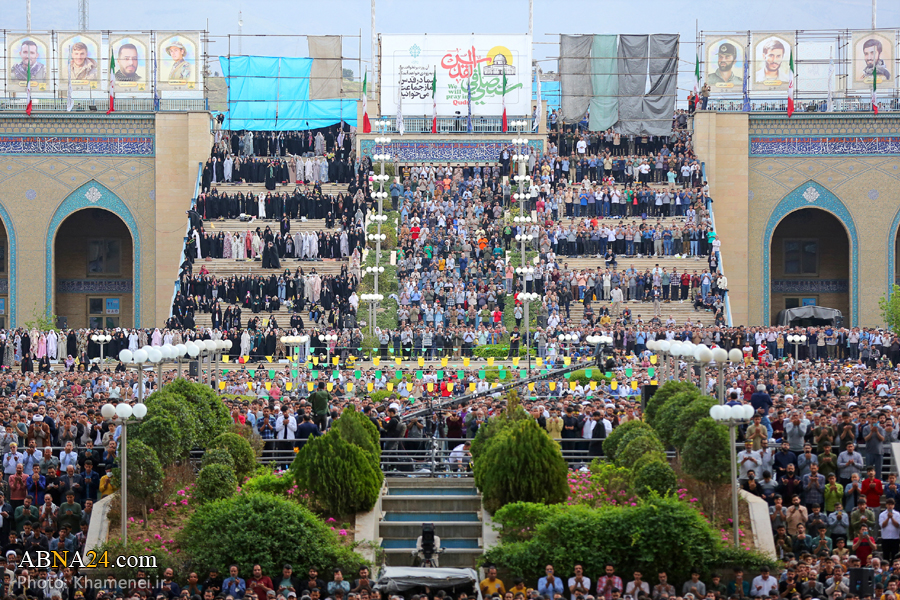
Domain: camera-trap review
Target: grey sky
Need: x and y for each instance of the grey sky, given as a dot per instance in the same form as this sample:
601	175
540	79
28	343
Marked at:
348	17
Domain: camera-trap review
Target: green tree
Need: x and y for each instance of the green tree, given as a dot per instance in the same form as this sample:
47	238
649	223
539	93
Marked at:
706	456
521	464
659	533
655	476
214	482
667	417
218	456
688	417
636	448
357	429
240	450
890	308
612	441
339	475
145	476
662	395
247	529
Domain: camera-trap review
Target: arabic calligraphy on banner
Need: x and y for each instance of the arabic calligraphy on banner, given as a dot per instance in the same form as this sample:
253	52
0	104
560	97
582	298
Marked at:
410	63
825	146
76	145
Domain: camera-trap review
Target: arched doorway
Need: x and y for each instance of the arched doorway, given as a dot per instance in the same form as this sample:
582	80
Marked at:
810	263
93	270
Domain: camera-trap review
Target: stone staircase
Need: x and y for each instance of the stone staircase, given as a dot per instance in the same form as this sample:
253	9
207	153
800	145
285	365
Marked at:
452	504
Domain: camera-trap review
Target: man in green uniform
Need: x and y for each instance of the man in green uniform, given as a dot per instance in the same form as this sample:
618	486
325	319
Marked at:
724	76
320	399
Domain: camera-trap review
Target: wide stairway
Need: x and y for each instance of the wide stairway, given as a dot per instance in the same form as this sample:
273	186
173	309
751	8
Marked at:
681	312
452	504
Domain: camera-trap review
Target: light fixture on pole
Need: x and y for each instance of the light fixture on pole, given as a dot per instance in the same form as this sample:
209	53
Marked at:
102	340
702	356
527	298
797	341
122	412
193	351
720	356
733	417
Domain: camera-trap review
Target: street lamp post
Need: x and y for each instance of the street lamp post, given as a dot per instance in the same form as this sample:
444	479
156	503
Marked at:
527	298
180	352
733	417
796	340
295	341
138	359
193	351
102	340
124	411
372	301
703	356
325	339
720	355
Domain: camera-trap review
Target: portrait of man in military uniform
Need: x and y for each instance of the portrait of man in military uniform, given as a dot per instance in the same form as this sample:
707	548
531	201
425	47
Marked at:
725	75
180	70
29	53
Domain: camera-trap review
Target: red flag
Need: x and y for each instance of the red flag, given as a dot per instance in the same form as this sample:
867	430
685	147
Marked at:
790	110
504	101
28	90
367	126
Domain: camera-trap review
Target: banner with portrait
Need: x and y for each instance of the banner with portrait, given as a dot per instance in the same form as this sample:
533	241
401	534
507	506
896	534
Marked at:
179	61
724	63
22	50
132	56
872	52
770	68
79	55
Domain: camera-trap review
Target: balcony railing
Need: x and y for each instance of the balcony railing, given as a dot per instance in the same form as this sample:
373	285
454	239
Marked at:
101	105
451	125
811	105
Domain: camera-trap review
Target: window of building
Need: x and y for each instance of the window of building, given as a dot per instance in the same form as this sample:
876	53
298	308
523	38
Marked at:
103	313
801	257
104	257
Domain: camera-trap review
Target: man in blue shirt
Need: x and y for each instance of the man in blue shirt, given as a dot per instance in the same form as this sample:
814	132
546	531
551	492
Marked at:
234	585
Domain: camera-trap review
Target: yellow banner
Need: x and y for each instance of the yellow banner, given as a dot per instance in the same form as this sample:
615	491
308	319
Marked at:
376	360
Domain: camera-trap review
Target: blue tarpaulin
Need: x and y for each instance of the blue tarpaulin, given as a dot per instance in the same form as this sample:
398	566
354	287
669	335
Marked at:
272	94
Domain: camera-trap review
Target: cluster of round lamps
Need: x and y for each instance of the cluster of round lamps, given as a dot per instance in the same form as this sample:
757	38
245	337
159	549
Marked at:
158	354
698	352
123	410
599	339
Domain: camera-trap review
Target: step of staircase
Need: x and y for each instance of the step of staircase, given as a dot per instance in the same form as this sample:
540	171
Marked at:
453	505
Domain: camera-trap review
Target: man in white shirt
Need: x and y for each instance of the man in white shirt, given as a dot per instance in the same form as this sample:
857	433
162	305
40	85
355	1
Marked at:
889	522
749	460
581	146
579	585
763	584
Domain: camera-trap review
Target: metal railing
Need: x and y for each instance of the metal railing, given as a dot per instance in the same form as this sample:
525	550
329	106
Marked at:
101	105
450	125
177	287
806	105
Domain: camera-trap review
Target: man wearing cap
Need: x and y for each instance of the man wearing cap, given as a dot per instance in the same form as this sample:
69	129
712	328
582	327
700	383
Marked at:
181	70
724	75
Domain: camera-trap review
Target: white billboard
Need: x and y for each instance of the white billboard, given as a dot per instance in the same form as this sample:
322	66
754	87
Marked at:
409	63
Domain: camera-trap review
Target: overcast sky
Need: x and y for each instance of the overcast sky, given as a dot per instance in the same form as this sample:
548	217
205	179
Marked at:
350	17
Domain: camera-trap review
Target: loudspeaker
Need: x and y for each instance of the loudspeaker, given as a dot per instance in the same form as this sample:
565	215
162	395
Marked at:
194	368
62	322
646	393
862	582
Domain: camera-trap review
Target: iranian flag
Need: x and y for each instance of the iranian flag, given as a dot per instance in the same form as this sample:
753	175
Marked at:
434	102
790	110
874	91
367	126
112	82
503	97
697	75
28	90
